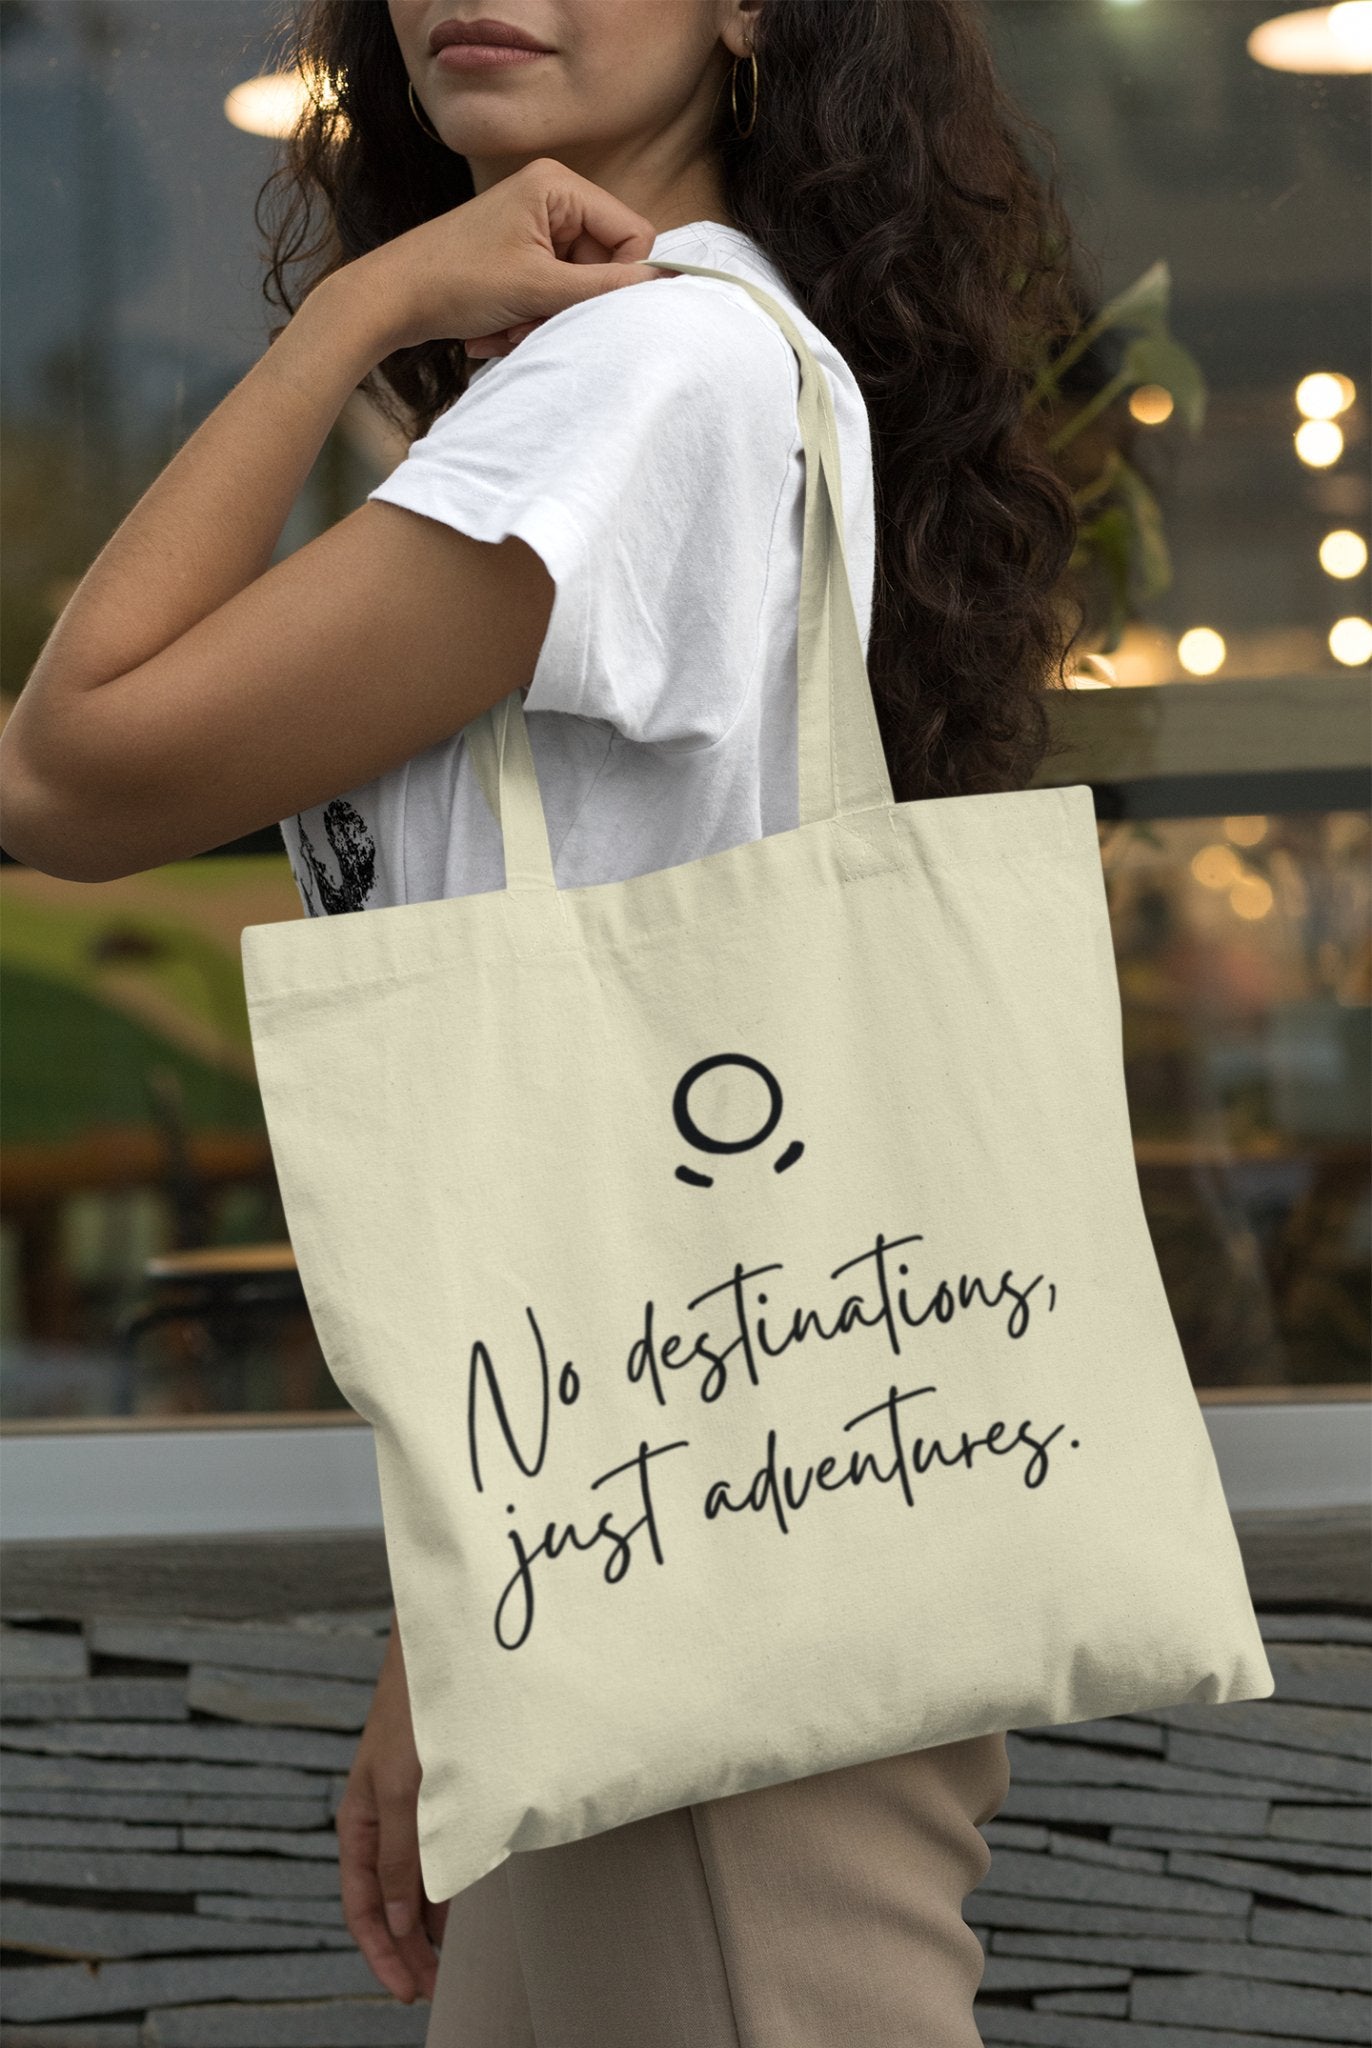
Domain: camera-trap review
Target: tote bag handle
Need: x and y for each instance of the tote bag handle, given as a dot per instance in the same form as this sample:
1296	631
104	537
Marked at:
842	765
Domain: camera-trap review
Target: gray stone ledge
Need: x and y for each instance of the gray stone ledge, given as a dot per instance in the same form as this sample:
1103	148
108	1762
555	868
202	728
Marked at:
292	1700
1349	1825
1123	1733
233	1577
1110	2005
308	1912
144	1871
240	1646
1111	1806
1264	1847
1330	1969
1323	1674
88	2034
1288	1926
1315	1627
90	1931
1302	1768
318	1843
1053	1877
41	1653
342	2023
1014	1834
1298	1559
1341	1731
1059	2030
179	1809
1348	1895
40	1831
93	1699
190	1741
132	1775
1038	1914
1281	2009
71	1991
1013	1973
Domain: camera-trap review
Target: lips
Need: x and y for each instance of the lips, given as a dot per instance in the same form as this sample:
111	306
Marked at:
497	34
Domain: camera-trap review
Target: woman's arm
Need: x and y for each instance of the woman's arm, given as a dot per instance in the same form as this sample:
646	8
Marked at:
191	693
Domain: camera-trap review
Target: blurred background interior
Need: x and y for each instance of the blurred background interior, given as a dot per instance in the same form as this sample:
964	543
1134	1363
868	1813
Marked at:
1218	162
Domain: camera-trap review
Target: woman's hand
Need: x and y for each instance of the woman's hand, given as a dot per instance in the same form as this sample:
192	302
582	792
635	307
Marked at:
488	271
388	1915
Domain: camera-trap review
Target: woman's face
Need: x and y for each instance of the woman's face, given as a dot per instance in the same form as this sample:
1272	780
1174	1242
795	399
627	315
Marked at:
621	85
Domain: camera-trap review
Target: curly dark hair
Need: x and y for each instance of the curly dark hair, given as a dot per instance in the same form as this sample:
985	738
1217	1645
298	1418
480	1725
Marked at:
888	177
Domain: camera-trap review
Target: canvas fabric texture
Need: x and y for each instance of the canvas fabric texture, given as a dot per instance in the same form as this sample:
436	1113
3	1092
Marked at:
744	1272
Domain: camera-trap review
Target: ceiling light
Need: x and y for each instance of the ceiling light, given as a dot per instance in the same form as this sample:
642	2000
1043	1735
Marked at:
1316	39
1246	831
1319	442
1350	24
1251	897
1350	641
273	102
1216	867
1201	651
1343	553
1151	404
1323	395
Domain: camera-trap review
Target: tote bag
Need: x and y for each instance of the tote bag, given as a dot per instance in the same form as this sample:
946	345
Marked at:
743	1270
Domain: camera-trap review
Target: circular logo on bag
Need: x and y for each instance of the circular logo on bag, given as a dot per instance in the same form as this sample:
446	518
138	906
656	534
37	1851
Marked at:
704	1142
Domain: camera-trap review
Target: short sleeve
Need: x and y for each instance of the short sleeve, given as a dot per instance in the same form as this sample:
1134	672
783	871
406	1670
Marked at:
640	442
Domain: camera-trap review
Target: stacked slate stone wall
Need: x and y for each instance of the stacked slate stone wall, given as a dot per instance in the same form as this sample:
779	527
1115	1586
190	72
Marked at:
1193	1878
167	1847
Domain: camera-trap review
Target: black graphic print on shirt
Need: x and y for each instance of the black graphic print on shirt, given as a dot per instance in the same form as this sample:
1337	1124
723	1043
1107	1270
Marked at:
354	851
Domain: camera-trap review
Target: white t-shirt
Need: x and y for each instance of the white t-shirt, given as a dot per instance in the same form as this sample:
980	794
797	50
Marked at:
645	445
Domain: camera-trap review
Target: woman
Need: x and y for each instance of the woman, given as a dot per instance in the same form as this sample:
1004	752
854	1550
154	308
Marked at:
609	519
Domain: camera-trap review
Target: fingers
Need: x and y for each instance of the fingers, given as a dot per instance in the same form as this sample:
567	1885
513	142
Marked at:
401	1885
398	1965
577	210
500	344
585	225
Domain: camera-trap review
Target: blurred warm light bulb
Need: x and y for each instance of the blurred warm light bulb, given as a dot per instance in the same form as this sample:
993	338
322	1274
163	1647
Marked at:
1350	24
273	102
1350	641
1246	831
1151	404
1316	39
1201	651
1251	897
1319	442
1343	554
1322	395
1216	867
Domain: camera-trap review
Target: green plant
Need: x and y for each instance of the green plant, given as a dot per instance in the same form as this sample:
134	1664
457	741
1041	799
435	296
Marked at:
1122	556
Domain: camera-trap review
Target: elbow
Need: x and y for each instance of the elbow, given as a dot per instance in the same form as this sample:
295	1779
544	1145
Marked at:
42	829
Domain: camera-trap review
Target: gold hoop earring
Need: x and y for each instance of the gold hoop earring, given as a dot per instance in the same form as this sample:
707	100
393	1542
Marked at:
733	96
414	109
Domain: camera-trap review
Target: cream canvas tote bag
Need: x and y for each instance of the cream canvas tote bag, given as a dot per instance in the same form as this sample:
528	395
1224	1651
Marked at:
744	1273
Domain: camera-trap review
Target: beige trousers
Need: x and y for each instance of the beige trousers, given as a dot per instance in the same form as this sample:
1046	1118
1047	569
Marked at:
822	1913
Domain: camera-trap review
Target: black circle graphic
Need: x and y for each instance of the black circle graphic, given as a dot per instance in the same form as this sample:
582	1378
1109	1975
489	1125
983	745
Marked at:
687	1125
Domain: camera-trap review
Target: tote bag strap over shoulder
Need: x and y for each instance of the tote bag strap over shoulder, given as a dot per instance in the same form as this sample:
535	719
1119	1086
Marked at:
842	766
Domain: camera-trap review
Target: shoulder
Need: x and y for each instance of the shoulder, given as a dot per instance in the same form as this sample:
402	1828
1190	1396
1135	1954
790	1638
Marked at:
680	332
